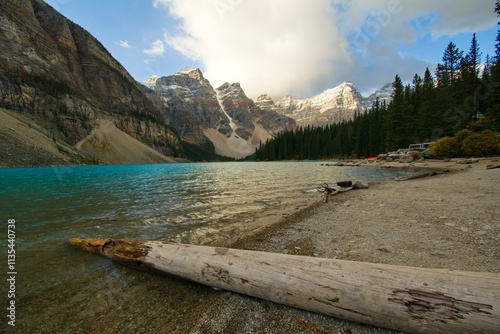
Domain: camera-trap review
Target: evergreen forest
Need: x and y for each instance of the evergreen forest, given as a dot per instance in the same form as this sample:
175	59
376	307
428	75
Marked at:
462	93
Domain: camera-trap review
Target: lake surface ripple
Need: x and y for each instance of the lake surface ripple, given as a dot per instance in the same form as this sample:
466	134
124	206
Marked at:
60	289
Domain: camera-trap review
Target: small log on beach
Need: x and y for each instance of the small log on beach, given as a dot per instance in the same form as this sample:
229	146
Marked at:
327	191
415	300
419	176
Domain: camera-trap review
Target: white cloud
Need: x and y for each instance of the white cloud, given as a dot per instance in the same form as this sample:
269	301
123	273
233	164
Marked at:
157	48
123	44
300	47
402	19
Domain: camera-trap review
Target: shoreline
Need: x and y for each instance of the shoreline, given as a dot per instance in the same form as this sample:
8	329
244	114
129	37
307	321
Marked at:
450	221
309	208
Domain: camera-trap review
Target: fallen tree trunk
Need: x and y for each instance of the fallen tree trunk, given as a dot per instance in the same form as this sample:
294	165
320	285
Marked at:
416	300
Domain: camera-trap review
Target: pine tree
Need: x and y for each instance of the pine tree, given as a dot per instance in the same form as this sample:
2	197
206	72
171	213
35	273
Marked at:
394	120
473	57
451	63
450	91
428	118
408	114
493	108
470	78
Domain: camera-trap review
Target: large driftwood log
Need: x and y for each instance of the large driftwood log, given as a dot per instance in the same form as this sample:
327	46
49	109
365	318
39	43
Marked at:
415	300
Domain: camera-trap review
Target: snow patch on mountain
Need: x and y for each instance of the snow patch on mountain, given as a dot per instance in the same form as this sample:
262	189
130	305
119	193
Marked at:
233	125
151	81
187	69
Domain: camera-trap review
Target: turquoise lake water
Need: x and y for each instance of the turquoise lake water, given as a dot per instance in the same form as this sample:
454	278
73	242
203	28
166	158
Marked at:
59	289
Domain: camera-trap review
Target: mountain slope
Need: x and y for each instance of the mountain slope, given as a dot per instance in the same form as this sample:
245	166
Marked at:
23	144
56	72
109	144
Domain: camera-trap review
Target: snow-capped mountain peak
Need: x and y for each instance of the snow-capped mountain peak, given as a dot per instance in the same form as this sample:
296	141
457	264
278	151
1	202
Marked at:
330	106
151	81
383	94
333	105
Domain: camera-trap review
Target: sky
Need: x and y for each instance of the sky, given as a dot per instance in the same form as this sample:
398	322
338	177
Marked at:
285	47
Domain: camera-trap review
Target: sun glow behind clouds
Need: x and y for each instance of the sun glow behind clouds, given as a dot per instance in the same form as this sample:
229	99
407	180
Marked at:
299	47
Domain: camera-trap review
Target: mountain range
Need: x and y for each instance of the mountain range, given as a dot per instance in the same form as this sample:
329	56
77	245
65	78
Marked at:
59	80
225	116
333	105
235	124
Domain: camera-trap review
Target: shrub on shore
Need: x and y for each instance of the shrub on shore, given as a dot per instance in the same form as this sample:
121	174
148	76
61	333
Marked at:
467	143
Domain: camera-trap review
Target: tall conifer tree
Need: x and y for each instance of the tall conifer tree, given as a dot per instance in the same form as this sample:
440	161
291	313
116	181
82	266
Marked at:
493	109
394	120
470	79
451	63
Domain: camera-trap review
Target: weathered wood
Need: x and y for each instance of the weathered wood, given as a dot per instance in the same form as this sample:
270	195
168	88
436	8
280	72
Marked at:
415	300
492	166
327	191
419	176
340	191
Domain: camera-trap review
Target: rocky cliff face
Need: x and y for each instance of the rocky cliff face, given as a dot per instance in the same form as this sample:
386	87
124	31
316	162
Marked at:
189	103
55	71
331	106
225	116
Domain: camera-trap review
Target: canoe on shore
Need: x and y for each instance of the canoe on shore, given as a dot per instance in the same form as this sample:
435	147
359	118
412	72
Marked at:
415	300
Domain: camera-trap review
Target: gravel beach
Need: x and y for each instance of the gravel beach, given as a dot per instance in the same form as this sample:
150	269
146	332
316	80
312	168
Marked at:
450	220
